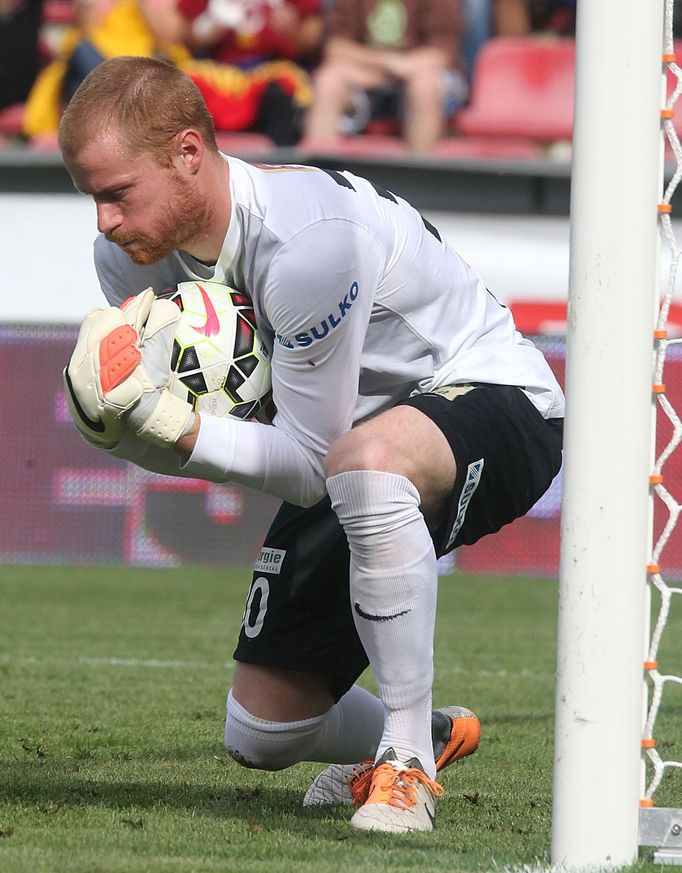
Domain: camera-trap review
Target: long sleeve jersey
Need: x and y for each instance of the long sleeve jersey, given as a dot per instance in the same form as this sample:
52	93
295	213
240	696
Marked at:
362	304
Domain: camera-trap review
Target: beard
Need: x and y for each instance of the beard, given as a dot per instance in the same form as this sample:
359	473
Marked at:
184	217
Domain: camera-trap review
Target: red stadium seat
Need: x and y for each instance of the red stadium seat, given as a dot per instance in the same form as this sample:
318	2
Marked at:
522	87
59	12
11	119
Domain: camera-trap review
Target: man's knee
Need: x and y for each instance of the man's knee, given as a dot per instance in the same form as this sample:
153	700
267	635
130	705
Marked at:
247	742
332	81
355	451
425	88
261	744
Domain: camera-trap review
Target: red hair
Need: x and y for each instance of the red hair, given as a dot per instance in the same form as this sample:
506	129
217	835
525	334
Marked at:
145	100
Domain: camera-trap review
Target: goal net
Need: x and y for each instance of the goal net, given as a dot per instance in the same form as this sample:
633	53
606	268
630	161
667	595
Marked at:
661	826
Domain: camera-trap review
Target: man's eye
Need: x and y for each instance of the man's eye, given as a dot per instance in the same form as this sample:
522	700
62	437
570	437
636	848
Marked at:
112	196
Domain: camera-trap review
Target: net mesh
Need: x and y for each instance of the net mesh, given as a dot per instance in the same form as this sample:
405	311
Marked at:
669	435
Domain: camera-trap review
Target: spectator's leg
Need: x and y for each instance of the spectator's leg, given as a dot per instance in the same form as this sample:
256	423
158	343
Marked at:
333	84
424	122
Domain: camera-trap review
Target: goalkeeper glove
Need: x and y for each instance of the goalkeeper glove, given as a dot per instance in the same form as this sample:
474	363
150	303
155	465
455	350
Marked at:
141	398
119	374
104	354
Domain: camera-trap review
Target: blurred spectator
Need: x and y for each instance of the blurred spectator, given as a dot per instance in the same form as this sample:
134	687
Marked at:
260	49
553	16
251	32
486	18
19	55
103	29
388	58
268	96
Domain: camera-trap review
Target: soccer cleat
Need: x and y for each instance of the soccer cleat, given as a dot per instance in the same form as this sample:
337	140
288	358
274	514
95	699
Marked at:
401	798
455	730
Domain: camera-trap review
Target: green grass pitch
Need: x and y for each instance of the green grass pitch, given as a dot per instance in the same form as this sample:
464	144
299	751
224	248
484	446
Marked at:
112	689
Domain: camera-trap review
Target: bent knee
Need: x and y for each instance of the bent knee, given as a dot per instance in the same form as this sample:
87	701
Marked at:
254	755
352	451
260	744
253	748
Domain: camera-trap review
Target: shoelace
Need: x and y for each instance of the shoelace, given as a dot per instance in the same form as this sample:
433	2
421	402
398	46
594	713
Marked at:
359	782
399	787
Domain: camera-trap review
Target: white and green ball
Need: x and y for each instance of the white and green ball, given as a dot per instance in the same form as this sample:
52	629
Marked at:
219	362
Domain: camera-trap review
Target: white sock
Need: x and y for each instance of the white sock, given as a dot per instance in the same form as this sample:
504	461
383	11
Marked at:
393	580
348	733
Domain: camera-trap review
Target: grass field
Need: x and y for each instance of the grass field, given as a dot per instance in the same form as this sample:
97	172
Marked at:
112	696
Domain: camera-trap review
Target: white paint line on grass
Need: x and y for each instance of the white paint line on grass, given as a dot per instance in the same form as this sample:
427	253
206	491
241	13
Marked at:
88	661
180	664
151	662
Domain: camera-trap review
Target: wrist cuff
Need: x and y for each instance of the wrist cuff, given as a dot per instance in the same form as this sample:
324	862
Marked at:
169	420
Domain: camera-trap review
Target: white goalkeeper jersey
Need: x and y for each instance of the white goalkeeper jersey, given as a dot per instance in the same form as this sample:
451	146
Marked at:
363	305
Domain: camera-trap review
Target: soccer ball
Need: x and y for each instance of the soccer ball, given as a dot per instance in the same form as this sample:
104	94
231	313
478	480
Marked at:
219	363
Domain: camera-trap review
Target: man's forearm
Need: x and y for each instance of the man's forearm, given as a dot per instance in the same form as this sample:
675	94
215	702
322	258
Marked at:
253	454
185	445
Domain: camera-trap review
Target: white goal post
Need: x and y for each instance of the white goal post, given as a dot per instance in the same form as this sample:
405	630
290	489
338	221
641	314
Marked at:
616	185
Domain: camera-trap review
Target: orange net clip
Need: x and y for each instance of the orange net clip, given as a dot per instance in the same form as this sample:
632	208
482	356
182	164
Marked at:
650	665
669	58
653	568
649	743
658	388
664	208
645	802
660	333
667	113
656	479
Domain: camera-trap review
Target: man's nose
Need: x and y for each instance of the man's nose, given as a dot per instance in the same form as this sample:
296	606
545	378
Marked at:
108	217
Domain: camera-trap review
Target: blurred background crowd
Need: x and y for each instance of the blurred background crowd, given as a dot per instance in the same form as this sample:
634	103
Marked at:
317	74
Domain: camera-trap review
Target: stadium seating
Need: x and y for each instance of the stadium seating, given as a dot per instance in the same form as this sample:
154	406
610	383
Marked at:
522	90
521	105
59	12
11	118
57	16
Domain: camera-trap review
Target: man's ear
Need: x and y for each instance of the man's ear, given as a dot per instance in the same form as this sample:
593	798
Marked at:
188	150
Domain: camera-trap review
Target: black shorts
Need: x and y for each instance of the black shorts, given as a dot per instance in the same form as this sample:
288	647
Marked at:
298	613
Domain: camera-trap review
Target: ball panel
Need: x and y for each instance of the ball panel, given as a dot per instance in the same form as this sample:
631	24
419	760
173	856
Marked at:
189	360
248	364
244	337
195	383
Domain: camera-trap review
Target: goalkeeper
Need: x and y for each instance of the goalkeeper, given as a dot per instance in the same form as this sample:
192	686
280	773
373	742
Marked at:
411	418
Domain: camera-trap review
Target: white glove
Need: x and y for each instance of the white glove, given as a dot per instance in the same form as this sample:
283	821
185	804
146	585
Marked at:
219	15
141	398
105	353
